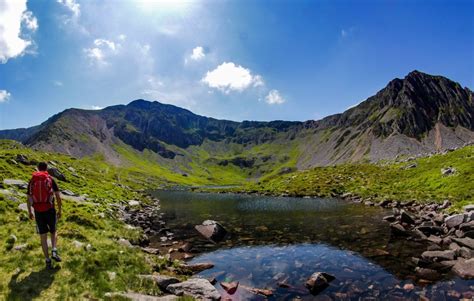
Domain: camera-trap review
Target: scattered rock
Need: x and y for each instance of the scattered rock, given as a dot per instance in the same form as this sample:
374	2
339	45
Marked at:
468	208
426	273
77	244
124	242
196	288
406	218
466	241
398	230
23	206
230	287
438	255
318	282
14	182
133	203
448	171
161	281
197	267
464	268
212	230
68	192
152	251
435	239
185	247
140	297
21	247
454	220
111	275
390	218
53	171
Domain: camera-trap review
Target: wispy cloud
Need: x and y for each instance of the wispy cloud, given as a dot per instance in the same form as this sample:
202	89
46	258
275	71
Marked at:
96	108
198	53
274	97
58	83
4	96
101	49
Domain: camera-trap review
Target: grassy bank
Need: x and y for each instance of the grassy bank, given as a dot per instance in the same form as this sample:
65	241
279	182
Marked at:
94	262
420	179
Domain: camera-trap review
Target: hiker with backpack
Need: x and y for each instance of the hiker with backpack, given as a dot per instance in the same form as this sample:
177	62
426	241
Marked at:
42	191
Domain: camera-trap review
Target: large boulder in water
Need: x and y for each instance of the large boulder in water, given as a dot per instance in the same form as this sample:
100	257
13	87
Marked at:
212	230
318	282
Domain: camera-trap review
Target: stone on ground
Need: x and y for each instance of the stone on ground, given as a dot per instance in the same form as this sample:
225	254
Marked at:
196	288
161	280
140	297
464	268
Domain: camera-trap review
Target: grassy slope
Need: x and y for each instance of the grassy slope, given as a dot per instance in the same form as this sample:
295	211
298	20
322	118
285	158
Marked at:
423	183
83	272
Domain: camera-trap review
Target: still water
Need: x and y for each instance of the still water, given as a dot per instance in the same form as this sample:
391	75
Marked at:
274	240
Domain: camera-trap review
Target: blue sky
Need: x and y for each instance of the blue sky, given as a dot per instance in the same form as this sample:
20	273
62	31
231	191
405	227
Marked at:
239	60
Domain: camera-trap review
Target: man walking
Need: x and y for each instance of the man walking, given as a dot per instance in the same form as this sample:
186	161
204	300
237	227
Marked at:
42	190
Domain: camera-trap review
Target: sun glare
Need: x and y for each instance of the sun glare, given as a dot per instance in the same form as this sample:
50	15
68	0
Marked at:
166	6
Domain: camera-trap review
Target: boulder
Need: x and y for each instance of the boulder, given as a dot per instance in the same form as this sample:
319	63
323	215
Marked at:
435	239
133	203
53	171
438	255
465	253
197	267
212	231
14	182
398	230
230	287
23	206
446	204
317	282
427	274
152	251
390	218
454	220
448	171
468	208
140	297
196	288
464	268
161	281
466	241
124	242
406	218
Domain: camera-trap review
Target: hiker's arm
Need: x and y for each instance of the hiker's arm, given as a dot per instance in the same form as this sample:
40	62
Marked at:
28	205
58	199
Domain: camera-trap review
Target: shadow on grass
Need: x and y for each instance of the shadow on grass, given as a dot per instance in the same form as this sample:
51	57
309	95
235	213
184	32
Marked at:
31	286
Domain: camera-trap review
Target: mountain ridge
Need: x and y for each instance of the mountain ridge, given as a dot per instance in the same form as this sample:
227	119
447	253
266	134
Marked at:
420	113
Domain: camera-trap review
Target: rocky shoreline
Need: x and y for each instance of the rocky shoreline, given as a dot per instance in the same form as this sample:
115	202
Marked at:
448	238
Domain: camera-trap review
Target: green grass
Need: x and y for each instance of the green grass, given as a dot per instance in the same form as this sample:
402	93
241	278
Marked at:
388	180
84	272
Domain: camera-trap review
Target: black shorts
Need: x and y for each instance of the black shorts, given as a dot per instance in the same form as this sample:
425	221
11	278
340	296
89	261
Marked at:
46	221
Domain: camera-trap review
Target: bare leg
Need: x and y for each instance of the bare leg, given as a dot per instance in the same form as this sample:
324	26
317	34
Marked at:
54	239
44	244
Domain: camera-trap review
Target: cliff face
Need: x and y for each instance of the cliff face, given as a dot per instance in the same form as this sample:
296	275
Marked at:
418	114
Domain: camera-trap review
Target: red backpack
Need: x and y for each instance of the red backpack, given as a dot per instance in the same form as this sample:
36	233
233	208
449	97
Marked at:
41	188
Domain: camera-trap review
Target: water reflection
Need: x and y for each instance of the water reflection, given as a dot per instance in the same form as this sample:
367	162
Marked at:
290	238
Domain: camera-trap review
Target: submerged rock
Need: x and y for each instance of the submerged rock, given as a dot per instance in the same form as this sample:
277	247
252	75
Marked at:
318	282
212	230
398	230
230	287
197	288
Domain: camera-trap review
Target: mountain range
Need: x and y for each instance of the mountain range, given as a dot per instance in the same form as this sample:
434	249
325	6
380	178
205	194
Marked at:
418	114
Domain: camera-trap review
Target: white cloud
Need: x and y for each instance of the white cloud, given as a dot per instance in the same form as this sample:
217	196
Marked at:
343	33
96	108
198	53
122	37
4	96
57	83
72	6
274	97
14	41
100	51
228	76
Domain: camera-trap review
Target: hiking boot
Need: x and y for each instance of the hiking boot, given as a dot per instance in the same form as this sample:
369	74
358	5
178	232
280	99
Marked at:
49	264
55	256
